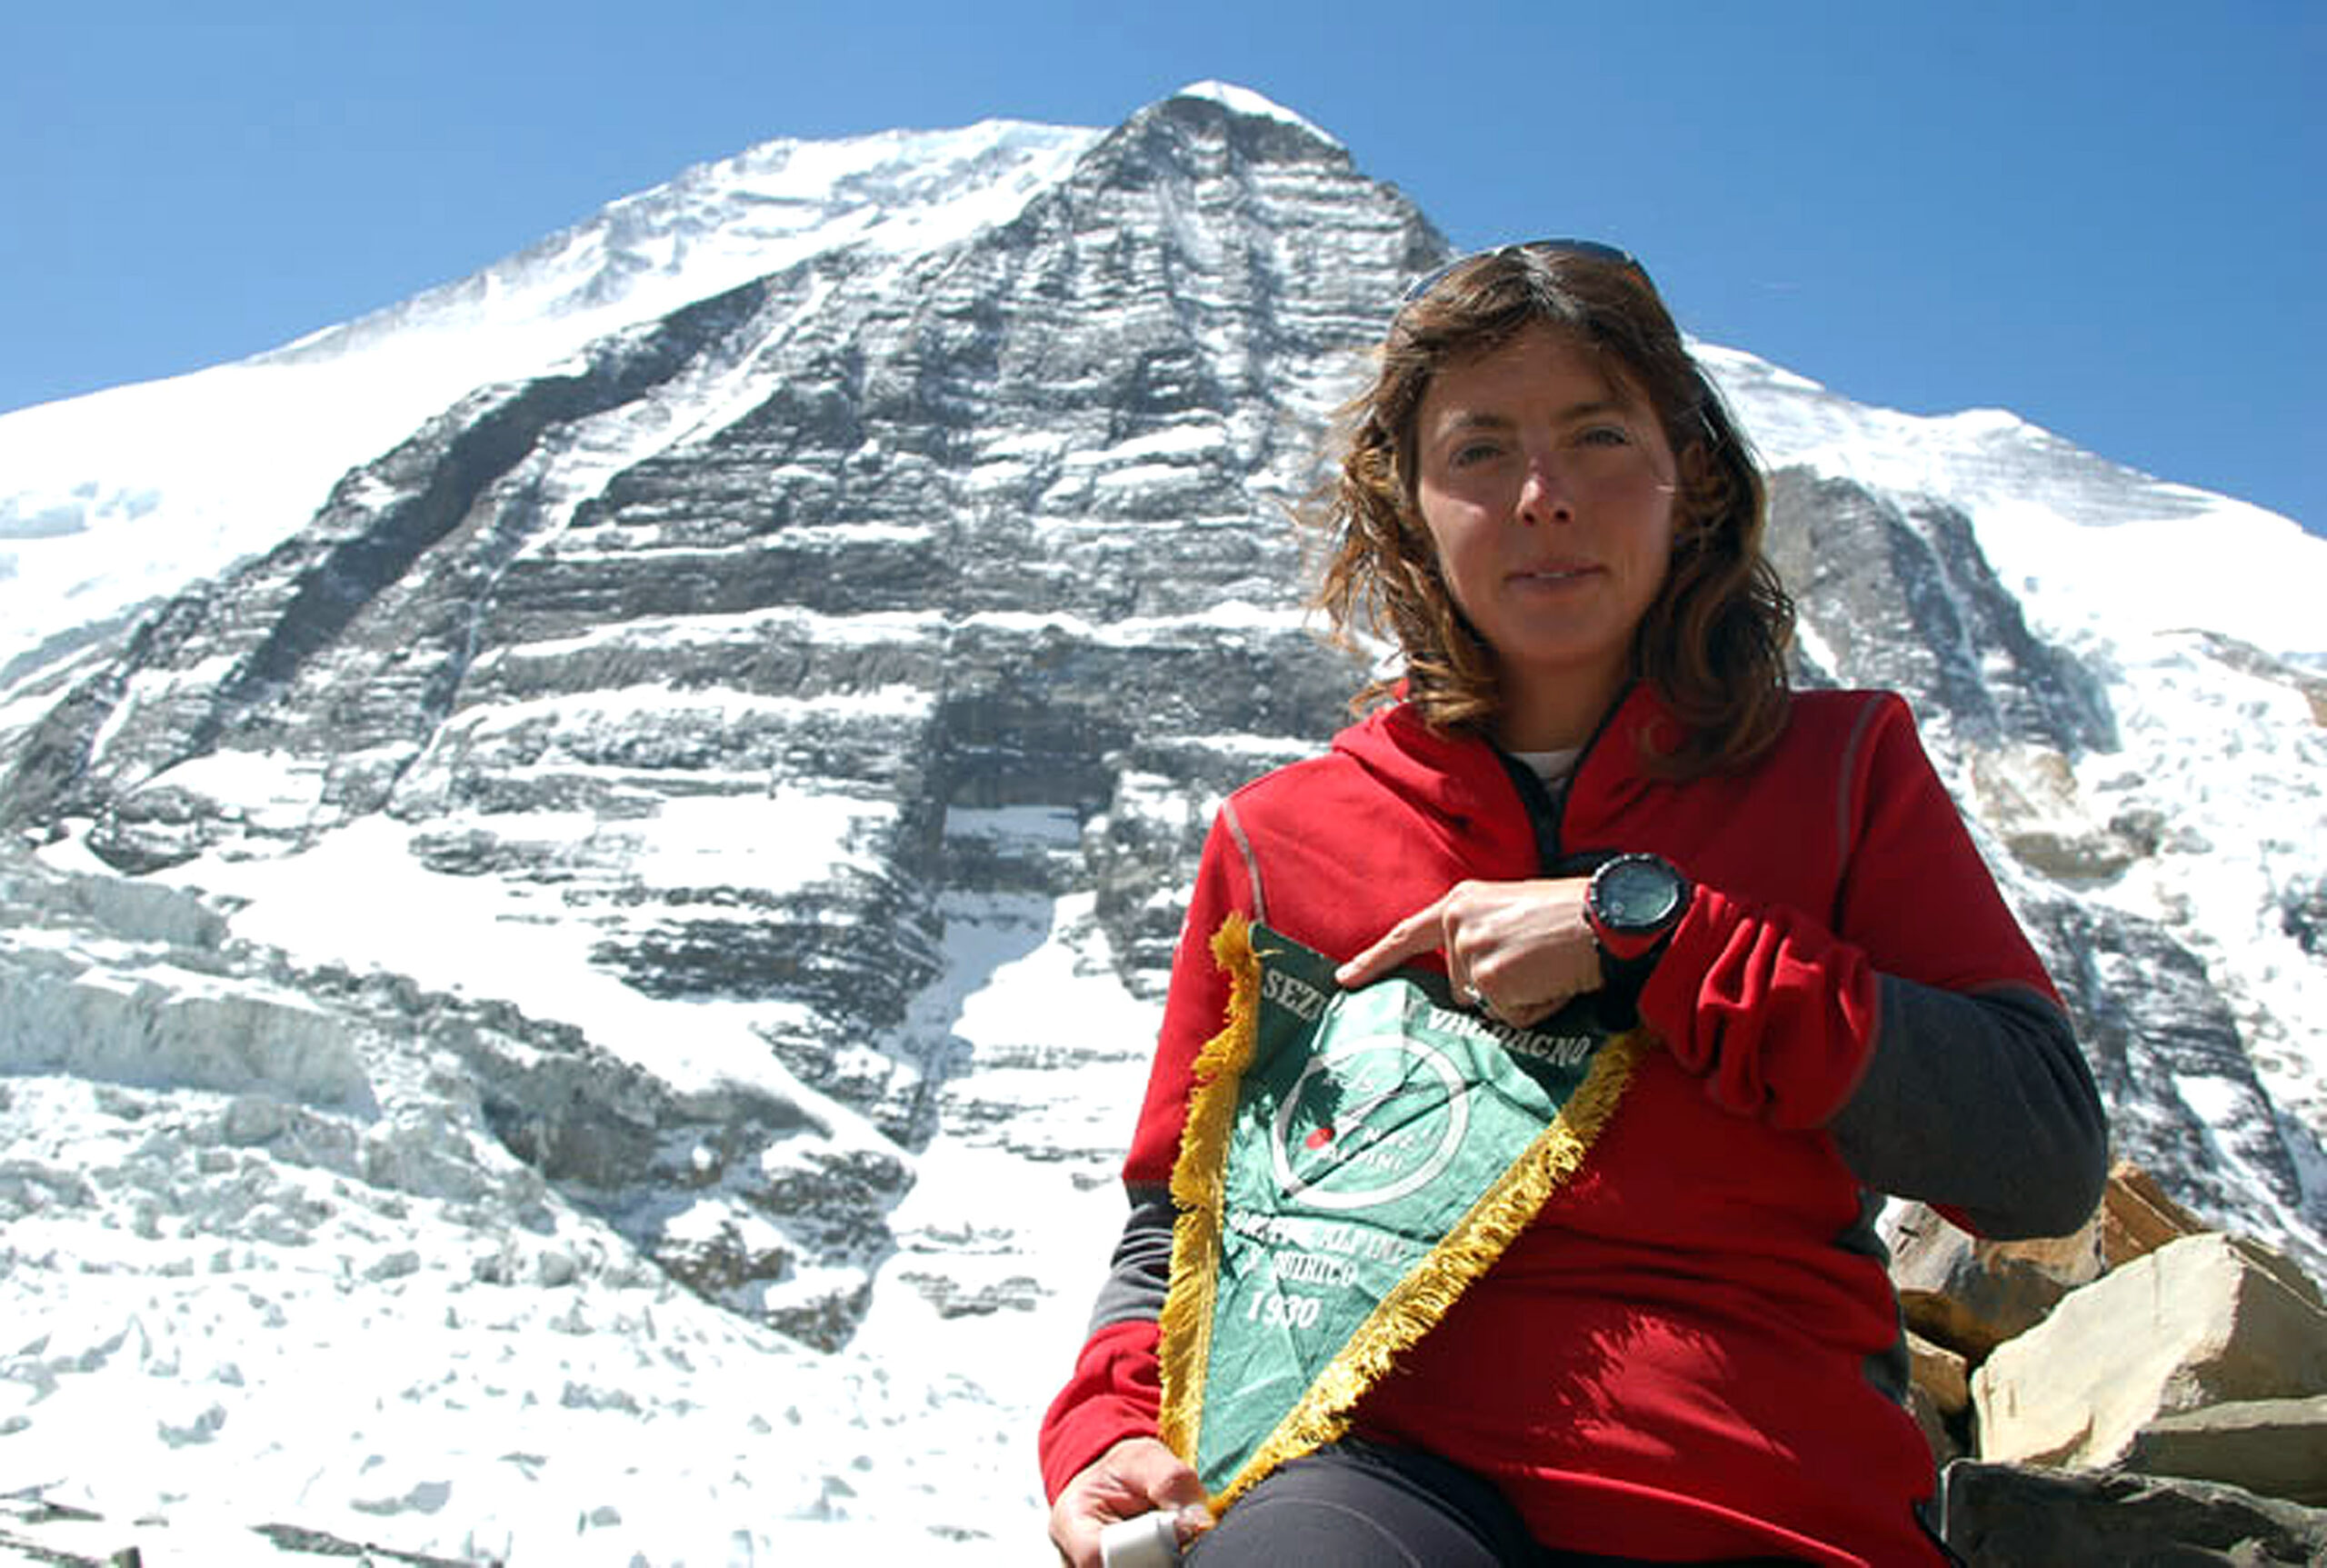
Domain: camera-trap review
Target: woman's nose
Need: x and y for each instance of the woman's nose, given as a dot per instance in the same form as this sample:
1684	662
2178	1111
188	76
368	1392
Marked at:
1544	494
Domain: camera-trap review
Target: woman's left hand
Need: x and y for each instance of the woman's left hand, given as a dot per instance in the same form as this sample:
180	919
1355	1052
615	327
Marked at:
1519	950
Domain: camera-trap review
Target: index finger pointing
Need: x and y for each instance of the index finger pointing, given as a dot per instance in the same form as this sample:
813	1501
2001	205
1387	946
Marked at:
1415	935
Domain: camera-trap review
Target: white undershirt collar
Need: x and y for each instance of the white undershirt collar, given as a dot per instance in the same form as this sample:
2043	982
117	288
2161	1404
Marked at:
1550	767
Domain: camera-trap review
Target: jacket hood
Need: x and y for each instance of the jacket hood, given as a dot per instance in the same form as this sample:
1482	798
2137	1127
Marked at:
1451	772
1459	776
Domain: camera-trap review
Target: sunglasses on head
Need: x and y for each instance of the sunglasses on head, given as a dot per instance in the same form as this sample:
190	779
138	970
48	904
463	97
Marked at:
1591	249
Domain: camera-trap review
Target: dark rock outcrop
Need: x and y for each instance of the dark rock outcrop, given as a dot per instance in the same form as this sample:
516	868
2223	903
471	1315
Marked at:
2016	1516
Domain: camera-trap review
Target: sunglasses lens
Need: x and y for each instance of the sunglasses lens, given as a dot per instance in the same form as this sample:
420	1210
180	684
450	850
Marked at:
1593	249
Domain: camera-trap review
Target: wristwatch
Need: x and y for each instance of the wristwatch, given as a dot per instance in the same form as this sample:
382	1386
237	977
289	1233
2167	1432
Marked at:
1633	903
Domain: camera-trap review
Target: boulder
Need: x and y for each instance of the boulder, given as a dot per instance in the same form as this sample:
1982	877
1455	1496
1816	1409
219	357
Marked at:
2202	1319
2277	1447
1939	1393
2137	1217
1938	1436
1941	1374
1971	1295
2014	1516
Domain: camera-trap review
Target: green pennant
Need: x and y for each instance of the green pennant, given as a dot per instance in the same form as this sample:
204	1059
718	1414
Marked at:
1352	1160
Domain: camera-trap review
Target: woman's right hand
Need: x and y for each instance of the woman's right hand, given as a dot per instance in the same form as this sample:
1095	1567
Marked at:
1519	950
1136	1476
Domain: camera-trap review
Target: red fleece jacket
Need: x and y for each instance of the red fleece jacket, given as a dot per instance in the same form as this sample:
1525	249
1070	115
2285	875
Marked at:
1672	1361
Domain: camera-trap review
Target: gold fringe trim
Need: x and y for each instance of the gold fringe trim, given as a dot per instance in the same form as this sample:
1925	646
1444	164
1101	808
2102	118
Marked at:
1416	1303
1198	1188
1413	1306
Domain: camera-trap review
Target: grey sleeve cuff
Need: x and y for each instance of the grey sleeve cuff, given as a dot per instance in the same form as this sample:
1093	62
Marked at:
1142	1270
1982	1103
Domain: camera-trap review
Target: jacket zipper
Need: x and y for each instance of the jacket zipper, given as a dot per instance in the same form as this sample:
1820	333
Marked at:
1546	809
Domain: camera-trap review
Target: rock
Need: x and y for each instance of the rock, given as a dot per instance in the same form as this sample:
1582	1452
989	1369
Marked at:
2277	1447
2204	1320
1941	1372
1938	1434
293	1538
2137	1217
1971	1295
1939	1395
2013	1516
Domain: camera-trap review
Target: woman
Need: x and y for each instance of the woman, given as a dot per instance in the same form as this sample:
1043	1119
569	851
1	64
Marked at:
1693	1352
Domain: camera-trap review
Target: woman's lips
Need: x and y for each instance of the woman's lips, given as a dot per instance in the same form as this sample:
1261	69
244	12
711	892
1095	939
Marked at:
1564	573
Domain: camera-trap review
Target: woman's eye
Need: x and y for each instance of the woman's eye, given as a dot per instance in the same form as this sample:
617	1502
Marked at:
1472	452
1605	436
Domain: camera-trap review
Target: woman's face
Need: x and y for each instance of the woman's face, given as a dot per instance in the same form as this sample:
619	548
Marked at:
1547	488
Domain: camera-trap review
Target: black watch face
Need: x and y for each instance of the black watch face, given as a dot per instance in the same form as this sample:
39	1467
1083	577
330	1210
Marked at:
1636	895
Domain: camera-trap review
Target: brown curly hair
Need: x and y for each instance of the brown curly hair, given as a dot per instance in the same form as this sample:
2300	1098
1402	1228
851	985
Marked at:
1713	641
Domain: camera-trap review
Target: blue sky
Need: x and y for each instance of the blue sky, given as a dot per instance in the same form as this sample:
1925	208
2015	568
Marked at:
2108	218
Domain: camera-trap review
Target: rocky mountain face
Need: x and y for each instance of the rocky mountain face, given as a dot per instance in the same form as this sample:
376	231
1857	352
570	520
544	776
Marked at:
1896	591
680	732
945	542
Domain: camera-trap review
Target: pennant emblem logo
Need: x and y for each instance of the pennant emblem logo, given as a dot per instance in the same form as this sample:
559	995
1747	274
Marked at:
1370	1122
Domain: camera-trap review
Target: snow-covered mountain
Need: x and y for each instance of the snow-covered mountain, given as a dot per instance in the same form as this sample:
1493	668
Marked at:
612	832
230	459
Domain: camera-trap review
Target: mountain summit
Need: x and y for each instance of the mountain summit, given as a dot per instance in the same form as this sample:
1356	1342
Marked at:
615	829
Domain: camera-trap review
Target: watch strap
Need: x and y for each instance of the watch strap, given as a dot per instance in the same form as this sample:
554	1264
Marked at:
1621	980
